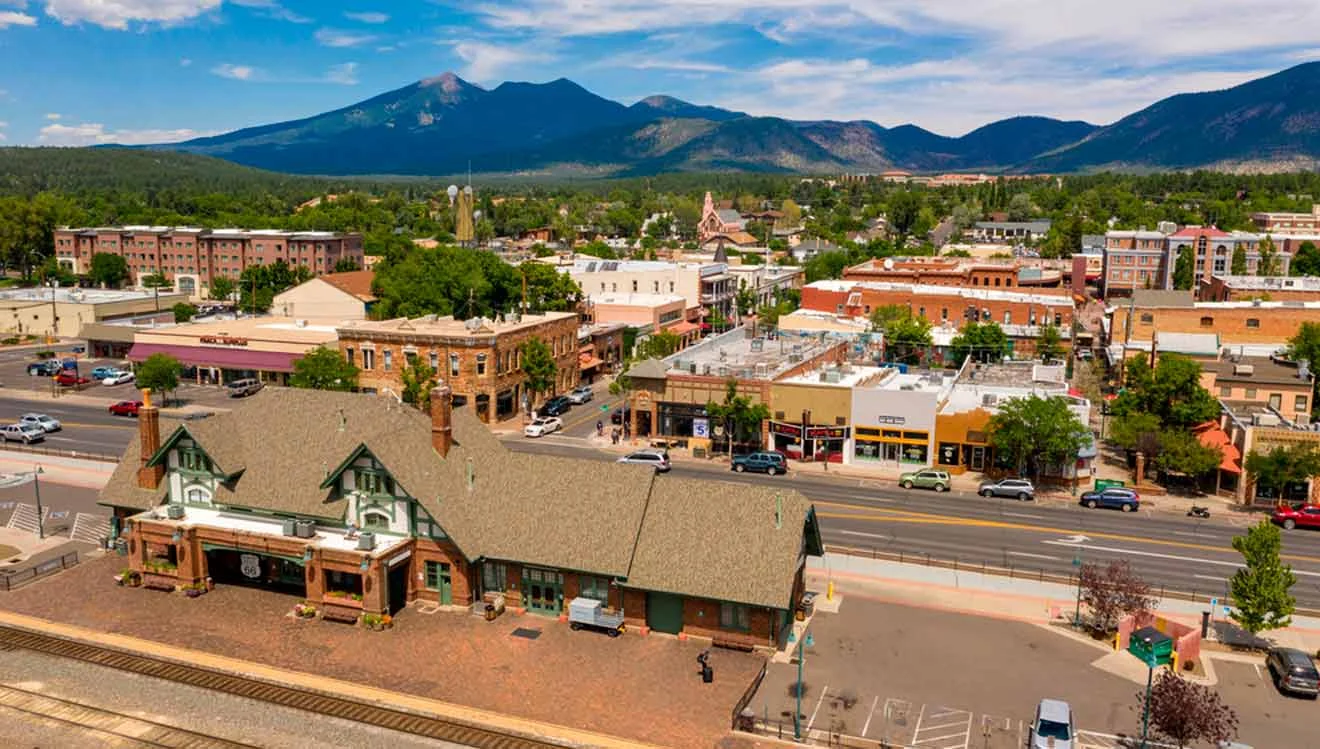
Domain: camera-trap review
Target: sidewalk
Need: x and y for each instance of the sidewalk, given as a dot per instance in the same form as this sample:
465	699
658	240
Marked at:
89	474
1012	598
321	684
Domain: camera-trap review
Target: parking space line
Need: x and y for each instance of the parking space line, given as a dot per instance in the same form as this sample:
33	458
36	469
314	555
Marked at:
871	714
944	726
823	691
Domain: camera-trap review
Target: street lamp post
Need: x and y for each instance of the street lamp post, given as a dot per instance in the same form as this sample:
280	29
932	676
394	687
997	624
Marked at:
1077	610
806	642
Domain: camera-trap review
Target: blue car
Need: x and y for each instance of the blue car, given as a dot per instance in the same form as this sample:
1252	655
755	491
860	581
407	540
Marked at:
100	373
1113	498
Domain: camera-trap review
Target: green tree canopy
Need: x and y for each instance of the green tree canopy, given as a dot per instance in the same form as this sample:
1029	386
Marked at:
1305	346
982	342
1181	452
739	415
1279	467
1261	589
657	345
159	373
1307	260
183	312
1268	265
539	369
324	368
108	270
1171	391
1239	264
258	284
221	288
1136	431
1183	276
418	381
1034	433
468	283
346	265
1049	344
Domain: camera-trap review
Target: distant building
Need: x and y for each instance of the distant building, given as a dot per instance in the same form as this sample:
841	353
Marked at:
191	257
63	312
1289	223
715	220
1226	288
1008	232
335	296
954	271
1136	260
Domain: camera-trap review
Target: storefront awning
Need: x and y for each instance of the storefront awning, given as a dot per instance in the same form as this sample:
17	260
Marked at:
1210	435
587	361
682	328
220	358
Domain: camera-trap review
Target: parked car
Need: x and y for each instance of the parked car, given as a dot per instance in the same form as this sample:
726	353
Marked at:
1052	728
763	462
43	368
70	378
556	406
937	480
581	394
25	433
1112	498
650	458
543	425
1293	671
100	373
1016	488
41	421
118	377
79	349
126	408
244	387
1307	516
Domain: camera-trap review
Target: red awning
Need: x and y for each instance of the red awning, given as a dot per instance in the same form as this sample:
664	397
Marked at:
1212	436
682	327
587	361
220	358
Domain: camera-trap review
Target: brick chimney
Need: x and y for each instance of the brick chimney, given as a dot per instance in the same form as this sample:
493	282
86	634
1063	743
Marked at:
149	437
442	412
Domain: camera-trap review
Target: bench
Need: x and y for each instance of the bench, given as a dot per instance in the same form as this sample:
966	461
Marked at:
730	643
345	614
159	582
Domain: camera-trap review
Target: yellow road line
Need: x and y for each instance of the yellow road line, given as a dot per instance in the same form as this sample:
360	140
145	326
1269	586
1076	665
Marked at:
881	515
97	426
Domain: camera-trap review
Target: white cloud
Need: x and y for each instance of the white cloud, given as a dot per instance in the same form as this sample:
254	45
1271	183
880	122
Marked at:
117	14
185	62
272	9
368	17
344	74
683	66
236	72
53	116
486	62
94	133
14	18
338	38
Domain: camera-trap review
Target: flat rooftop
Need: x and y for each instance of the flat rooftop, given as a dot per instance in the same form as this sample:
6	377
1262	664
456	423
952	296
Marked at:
1015	373
77	296
227	232
964	292
269	328
450	327
736	354
845	376
636	300
1263	371
1271	283
245	522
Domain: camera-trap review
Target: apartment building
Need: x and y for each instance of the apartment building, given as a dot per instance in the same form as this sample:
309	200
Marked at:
1214	249
191	257
1136	260
1147	259
1289	223
705	286
479	359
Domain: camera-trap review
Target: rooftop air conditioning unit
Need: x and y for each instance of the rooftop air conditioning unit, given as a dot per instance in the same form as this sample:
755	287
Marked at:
366	541
1265	420
989	399
174	512
1244	369
305	529
290	526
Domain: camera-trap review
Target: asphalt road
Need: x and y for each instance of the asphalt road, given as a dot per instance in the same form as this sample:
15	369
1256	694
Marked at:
1171	551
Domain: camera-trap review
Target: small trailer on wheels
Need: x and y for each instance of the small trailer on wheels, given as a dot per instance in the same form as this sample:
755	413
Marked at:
588	612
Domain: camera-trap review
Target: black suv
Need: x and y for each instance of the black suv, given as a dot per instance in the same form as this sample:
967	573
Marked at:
1293	671
556	406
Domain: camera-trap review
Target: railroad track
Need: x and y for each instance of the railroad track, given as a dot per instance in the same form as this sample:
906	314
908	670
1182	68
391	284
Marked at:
277	694
119	728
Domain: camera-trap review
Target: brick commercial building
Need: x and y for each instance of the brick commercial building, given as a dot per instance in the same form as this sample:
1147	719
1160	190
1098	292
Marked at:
1141	259
1137	260
361	506
191	257
941	304
1289	223
1257	323
1265	288
939	271
480	359
1281	386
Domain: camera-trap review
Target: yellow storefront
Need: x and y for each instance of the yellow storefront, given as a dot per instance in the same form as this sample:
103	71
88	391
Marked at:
891	445
961	441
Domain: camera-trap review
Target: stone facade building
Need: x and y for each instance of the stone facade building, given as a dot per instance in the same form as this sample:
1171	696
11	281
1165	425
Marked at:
480	359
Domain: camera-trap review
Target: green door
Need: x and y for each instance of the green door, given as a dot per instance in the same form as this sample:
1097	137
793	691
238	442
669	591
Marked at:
664	613
543	591
440	579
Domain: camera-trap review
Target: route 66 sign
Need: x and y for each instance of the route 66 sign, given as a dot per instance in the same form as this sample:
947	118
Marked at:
249	565
700	428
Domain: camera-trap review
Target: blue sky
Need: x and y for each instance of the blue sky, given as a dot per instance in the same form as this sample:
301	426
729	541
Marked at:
77	72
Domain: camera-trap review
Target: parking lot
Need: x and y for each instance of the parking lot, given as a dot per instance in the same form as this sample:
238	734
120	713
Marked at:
14	376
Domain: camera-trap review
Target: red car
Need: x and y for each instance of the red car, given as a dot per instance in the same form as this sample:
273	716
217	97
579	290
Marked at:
1307	516
70	379
126	408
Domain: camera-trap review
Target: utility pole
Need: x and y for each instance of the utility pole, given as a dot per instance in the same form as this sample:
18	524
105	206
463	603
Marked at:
524	290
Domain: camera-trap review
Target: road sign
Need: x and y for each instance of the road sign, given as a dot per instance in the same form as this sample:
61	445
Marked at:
701	428
1213	603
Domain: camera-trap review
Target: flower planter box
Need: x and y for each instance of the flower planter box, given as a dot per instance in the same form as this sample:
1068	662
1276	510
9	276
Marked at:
341	610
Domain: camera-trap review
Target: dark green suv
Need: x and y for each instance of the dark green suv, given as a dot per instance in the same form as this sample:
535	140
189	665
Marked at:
765	462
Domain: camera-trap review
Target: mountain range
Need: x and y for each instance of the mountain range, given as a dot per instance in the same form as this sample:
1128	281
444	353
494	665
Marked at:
445	125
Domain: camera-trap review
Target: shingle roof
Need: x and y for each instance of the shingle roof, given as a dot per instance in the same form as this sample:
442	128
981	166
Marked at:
355	282
676	535
650	369
718	540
